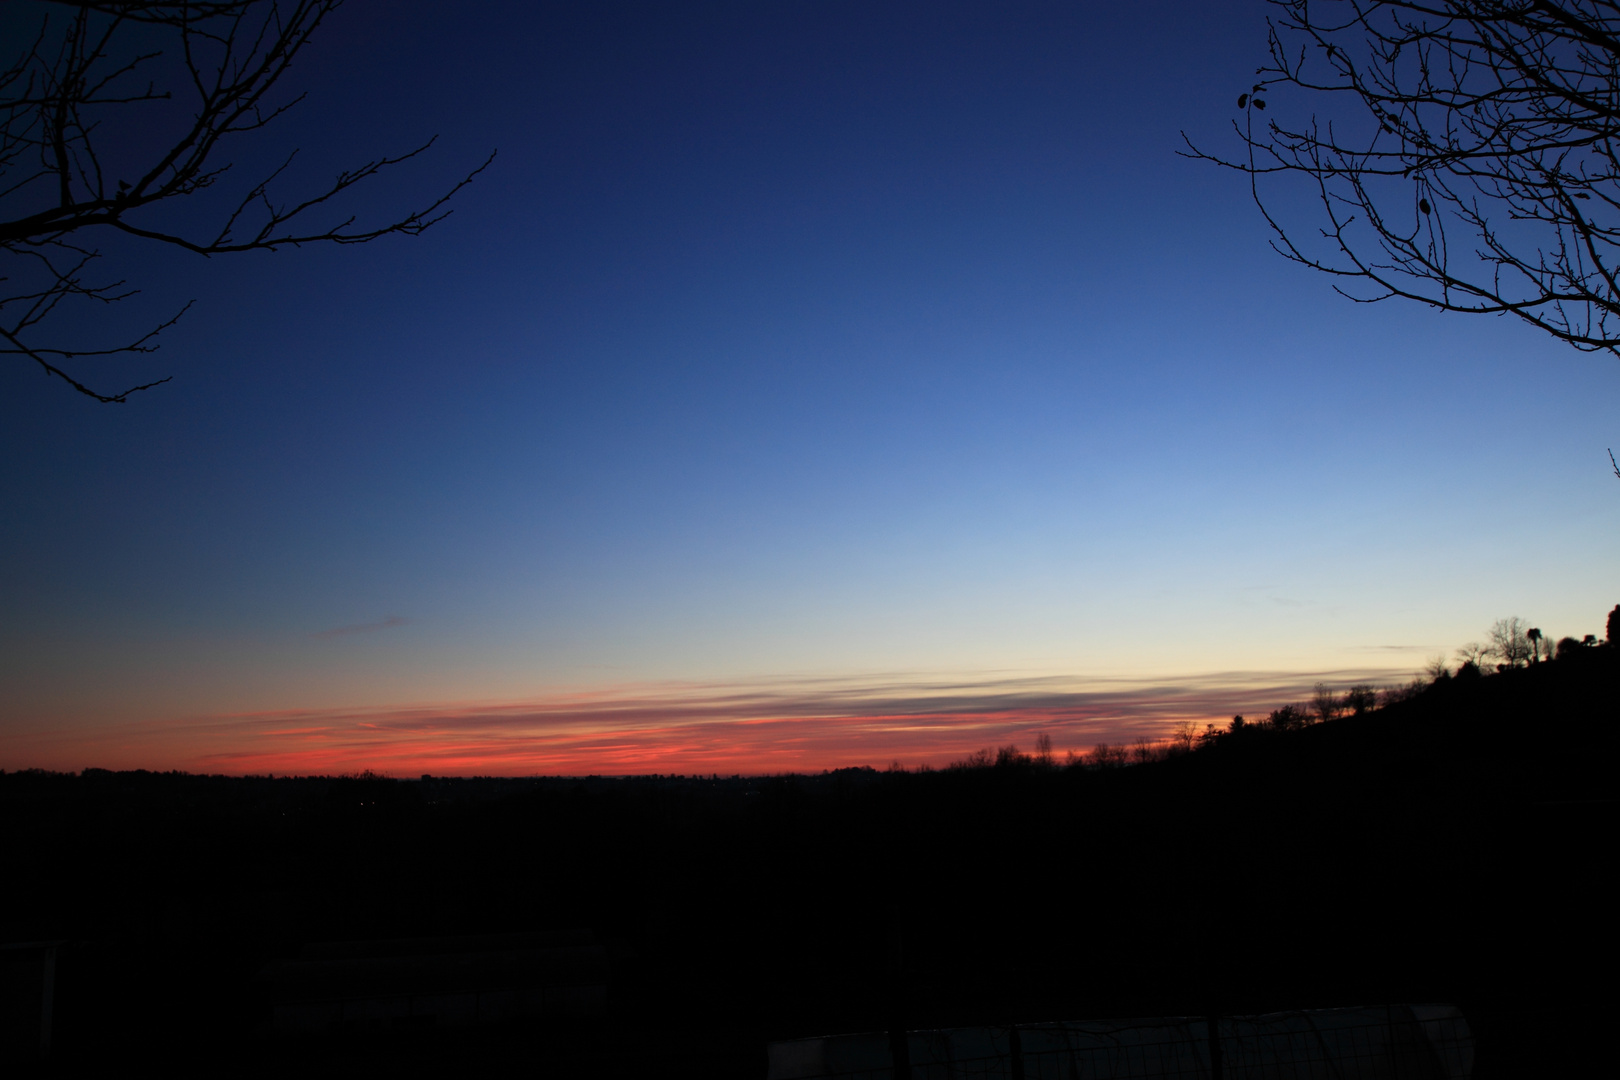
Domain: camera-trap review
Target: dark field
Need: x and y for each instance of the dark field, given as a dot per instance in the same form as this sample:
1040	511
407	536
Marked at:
1457	847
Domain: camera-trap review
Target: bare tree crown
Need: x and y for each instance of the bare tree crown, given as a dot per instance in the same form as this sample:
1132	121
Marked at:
82	90
1469	157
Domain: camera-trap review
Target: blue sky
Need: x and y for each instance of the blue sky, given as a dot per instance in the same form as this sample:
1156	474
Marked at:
781	342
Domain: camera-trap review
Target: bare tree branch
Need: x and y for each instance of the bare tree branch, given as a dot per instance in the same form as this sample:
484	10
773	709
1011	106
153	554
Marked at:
216	71
1469	158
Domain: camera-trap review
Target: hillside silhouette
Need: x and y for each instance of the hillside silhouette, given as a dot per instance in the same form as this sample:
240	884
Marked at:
1454	845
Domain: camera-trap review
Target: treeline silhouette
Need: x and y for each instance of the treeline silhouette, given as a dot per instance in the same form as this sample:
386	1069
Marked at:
1512	643
1452	842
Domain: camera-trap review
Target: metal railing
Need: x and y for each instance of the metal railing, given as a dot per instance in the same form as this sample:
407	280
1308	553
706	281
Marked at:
1393	1042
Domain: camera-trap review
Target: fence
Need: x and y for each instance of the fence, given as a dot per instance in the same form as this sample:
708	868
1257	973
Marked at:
1394	1042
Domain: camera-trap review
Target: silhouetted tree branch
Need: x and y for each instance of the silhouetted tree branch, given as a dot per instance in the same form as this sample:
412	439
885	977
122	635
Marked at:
1474	165
1510	642
77	98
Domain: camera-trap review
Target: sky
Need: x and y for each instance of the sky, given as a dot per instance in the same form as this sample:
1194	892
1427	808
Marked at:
804	385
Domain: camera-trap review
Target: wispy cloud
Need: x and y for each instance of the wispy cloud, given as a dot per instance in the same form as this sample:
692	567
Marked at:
362	628
750	727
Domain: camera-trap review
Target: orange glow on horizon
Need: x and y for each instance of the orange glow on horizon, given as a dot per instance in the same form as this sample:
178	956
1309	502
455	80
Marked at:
781	727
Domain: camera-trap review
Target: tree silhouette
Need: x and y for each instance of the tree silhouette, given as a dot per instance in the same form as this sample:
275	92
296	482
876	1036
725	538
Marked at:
114	111
1510	642
1185	736
1008	757
1325	703
1476	167
1473	653
1104	756
1568	647
1286	718
1361	699
1468	156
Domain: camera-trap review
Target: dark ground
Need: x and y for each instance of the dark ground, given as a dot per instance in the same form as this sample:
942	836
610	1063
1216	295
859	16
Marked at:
1459	847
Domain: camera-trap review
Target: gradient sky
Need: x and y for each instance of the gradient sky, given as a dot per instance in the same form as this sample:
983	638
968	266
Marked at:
806	384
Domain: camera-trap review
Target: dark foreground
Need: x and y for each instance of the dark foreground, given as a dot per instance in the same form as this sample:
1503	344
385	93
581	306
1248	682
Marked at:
1458	847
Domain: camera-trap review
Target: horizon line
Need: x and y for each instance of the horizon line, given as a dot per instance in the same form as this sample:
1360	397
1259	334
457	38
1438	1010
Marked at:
752	726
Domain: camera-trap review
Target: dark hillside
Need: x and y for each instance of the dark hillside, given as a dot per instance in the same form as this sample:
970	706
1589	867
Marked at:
1457	846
